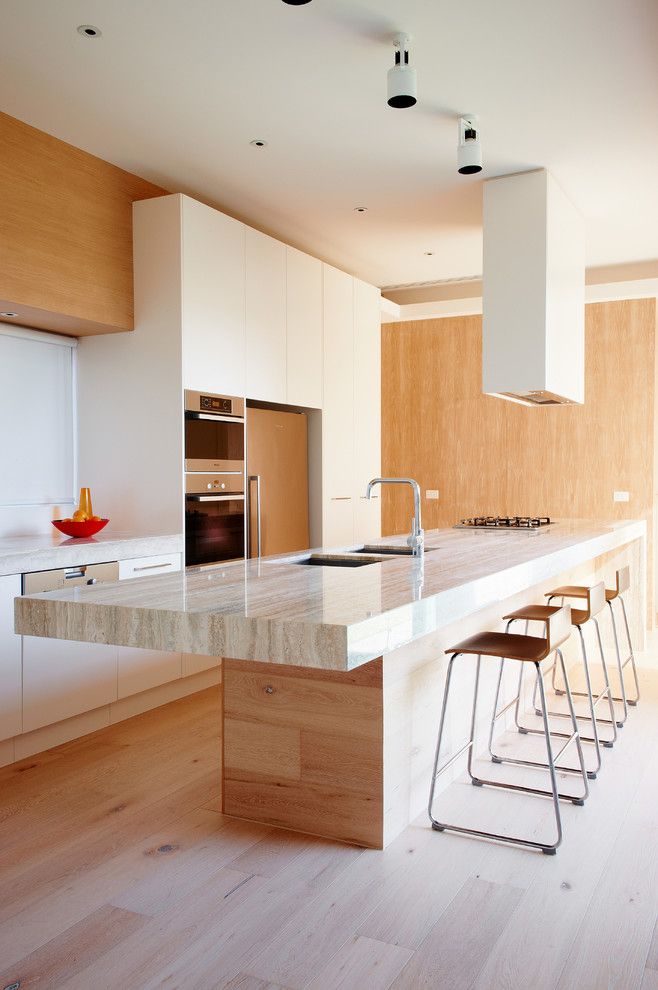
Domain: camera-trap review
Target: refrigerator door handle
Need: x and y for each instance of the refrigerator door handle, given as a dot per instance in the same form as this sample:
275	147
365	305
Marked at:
256	478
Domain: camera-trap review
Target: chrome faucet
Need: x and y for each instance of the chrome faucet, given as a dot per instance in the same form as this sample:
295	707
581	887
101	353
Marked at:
417	538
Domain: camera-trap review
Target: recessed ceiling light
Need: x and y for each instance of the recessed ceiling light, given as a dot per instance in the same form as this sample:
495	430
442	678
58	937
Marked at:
429	254
296	3
360	209
258	143
8	316
89	31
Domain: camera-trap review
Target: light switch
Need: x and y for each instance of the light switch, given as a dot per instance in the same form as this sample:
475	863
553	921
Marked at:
620	497
432	494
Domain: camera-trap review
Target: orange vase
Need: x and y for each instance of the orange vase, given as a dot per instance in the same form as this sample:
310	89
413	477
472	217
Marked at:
85	502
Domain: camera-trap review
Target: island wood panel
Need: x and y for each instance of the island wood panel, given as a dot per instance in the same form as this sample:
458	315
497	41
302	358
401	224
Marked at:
303	749
65	234
486	455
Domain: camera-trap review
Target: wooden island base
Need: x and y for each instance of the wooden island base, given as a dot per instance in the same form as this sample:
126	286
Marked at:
303	749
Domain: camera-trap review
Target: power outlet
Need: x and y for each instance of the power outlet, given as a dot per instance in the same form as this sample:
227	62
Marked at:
432	494
621	497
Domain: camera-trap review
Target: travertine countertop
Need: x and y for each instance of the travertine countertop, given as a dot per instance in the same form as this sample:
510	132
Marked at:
20	554
328	617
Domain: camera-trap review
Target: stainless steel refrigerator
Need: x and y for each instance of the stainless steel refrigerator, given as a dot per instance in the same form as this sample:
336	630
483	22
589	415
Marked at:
277	473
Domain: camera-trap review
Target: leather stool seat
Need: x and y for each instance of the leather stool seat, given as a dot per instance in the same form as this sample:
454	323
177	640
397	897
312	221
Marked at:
580	591
505	645
539	613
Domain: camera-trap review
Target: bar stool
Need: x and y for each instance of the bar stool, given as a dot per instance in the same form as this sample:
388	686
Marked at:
622	584
595	599
526	649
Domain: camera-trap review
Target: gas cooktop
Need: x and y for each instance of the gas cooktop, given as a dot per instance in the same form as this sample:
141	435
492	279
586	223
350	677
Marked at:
504	522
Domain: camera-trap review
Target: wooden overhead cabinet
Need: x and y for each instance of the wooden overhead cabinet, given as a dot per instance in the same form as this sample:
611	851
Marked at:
65	234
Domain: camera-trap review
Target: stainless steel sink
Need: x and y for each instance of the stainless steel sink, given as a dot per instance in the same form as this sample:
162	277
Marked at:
337	560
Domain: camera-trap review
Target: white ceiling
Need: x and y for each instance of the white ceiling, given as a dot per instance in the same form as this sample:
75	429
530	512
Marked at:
175	90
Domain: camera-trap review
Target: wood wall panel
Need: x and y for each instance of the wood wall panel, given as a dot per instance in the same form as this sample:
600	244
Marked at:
304	749
486	455
65	234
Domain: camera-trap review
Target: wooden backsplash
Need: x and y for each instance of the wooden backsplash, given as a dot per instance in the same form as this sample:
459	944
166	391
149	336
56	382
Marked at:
486	455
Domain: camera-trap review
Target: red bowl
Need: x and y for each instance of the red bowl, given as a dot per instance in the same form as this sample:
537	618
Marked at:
80	529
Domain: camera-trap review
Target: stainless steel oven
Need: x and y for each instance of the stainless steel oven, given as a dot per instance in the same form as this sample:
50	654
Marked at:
214	432
214	518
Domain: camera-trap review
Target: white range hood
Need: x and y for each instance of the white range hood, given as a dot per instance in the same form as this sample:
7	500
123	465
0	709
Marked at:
533	294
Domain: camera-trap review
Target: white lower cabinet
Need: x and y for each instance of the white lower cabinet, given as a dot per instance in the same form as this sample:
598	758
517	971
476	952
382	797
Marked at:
196	663
62	678
140	670
10	659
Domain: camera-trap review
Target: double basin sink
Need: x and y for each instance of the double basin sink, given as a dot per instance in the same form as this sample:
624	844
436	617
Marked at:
356	558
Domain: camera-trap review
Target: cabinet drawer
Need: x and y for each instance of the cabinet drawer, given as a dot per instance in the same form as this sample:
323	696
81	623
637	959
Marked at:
144	566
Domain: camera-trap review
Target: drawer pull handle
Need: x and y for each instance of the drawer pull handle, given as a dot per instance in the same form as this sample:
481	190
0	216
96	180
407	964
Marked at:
269	689
341	498
151	567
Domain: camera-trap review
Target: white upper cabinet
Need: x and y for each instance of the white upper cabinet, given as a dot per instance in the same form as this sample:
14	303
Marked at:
304	338
10	660
367	409
338	408
265	318
213	300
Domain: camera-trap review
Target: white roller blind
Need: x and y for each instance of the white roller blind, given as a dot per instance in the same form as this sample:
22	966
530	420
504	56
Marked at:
37	447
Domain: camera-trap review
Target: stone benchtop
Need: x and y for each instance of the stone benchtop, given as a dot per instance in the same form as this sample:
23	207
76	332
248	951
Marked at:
279	611
44	552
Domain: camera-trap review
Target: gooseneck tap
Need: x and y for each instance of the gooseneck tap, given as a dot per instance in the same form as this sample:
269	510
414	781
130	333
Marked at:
417	538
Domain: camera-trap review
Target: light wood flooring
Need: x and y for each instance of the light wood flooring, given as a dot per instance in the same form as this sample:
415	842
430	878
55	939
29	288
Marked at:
117	870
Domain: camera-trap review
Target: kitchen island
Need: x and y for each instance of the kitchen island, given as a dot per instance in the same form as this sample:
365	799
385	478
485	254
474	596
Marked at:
333	674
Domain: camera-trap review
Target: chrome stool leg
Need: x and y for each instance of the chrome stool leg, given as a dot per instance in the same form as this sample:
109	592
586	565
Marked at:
574	737
548	849
594	738
607	691
631	656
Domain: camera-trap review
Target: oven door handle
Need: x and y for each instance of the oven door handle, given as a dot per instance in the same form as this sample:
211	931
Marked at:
215	417
214	498
256	478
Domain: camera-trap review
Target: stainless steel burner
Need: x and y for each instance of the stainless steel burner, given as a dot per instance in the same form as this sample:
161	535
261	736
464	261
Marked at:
504	522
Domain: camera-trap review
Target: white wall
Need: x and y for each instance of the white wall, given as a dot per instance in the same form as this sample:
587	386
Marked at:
37	430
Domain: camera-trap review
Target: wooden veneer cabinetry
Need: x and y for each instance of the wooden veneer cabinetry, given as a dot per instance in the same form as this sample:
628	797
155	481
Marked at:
65	234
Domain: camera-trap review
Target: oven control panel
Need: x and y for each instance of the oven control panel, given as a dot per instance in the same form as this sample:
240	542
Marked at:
210	404
215	403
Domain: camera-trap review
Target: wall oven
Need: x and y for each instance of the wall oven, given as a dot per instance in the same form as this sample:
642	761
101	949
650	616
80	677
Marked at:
214	478
214	432
214	518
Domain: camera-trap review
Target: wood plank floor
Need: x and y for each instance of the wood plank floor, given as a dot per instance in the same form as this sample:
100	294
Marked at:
118	870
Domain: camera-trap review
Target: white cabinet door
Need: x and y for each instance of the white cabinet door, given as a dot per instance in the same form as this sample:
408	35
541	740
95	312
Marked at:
213	303
367	409
62	678
338	409
265	317
138	669
304	337
10	659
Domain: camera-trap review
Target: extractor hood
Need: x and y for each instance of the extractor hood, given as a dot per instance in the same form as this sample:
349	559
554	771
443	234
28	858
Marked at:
533	292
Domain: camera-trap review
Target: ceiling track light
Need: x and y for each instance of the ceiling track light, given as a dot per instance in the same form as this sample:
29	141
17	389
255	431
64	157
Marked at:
402	89
469	149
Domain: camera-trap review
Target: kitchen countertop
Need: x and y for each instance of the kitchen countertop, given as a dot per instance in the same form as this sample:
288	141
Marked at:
336	618
20	554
